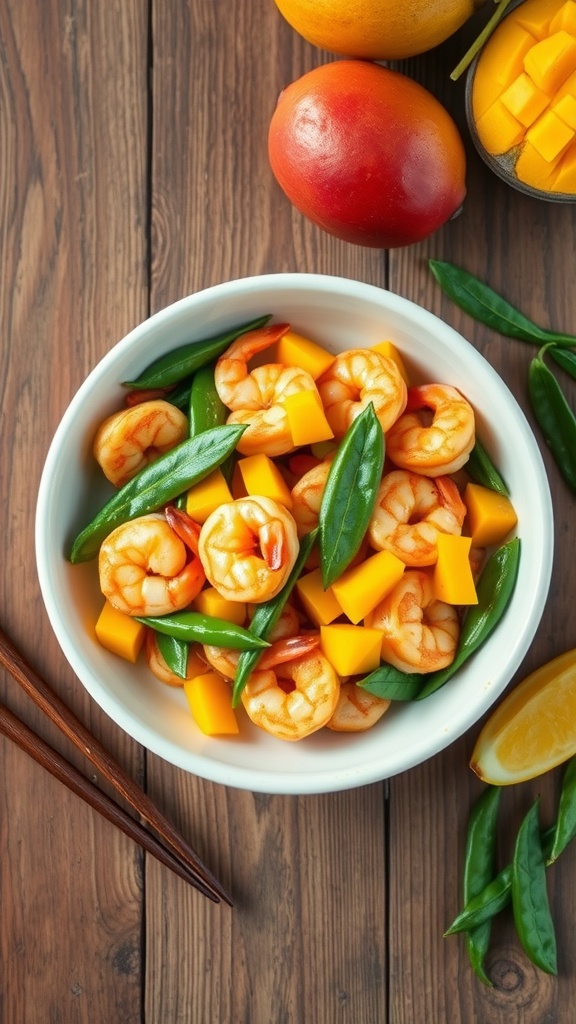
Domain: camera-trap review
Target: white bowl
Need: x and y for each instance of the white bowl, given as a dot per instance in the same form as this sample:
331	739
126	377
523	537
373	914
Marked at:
339	314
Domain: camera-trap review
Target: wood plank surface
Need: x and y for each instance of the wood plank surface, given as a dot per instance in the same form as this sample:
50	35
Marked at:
133	171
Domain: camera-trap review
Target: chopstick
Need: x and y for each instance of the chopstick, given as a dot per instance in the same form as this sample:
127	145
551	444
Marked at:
175	848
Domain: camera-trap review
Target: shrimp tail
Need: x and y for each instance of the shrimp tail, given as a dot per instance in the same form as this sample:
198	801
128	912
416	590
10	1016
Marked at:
272	539
184	527
288	649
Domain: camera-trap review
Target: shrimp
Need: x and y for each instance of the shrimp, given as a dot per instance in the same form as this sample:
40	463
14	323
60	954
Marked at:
357	709
440	447
255	398
410	511
248	548
310	702
132	438
355	379
307	496
225	661
145	568
420	633
161	670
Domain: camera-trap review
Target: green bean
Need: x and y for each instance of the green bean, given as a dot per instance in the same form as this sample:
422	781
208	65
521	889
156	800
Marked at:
392	684
483	471
481	302
204	629
494	591
266	616
565	828
181	362
175	653
530	905
206	409
565	358
479	870
350	493
157	484
555	417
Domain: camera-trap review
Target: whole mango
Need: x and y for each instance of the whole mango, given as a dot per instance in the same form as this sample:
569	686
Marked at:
367	154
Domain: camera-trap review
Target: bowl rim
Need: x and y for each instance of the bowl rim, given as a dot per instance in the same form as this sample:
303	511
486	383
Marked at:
256	779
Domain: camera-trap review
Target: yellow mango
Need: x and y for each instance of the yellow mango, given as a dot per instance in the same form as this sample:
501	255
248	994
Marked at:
564	179
352	650
525	100
237	487
207	495
120	633
308	423
533	169
362	587
549	135
294	350
452	578
502	61
550	61
210	699
535	17
388	349
565	19
210	602
490	516
565	109
262	476
498	130
568	88
320	605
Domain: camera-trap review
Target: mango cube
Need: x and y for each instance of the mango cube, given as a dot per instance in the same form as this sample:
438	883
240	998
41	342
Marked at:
306	417
210	602
565	19
491	516
352	650
294	350
207	495
565	108
389	350
565	174
362	587
262	476
502	61
533	169
498	130
120	633
210	699
452	580
549	135
237	487
525	100
320	605
550	61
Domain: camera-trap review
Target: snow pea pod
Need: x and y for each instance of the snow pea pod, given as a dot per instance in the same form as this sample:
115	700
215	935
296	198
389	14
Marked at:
157	484
479	870
555	417
494	591
181	362
484	304
483	471
350	493
565	828
530	904
204	629
175	653
565	358
206	409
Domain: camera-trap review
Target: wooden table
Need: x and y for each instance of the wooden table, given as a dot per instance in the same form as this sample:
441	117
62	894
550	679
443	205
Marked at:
133	171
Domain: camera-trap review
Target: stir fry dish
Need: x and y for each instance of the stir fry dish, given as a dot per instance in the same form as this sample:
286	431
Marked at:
303	535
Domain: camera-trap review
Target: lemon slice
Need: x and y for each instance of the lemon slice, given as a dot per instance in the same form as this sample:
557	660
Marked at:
533	729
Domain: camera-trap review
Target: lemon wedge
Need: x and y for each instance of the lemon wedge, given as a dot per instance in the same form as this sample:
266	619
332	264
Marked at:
533	729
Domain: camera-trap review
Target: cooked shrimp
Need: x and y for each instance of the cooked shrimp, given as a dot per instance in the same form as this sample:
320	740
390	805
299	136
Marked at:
256	397
161	670
288	623
248	548
132	438
313	689
437	447
225	660
146	568
420	633
307	497
410	511
357	709
355	379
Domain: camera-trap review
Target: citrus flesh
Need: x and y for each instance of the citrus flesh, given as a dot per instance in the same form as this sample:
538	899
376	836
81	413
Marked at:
534	728
377	29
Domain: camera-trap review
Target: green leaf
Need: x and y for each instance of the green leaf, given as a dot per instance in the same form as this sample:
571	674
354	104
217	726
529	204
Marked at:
390	683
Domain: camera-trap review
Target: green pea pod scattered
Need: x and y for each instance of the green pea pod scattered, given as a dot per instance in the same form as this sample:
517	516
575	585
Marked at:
565	358
350	493
494	591
182	362
479	870
483	471
565	828
204	629
392	684
266	616
555	417
530	904
175	653
206	409
180	395
157	484
484	304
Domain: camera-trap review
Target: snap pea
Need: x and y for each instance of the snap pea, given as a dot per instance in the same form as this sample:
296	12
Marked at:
530	905
494	591
181	362
204	629
483	471
175	653
350	493
392	684
206	409
484	304
157	484
180	395
565	358
266	616
565	828
555	417
479	861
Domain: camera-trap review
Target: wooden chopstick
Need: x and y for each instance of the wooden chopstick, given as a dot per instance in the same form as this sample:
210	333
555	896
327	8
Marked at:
61	715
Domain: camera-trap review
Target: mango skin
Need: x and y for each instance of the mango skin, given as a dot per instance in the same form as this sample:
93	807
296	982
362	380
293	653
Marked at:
367	154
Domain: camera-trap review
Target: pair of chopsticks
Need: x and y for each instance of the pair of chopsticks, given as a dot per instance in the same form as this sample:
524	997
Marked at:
164	842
